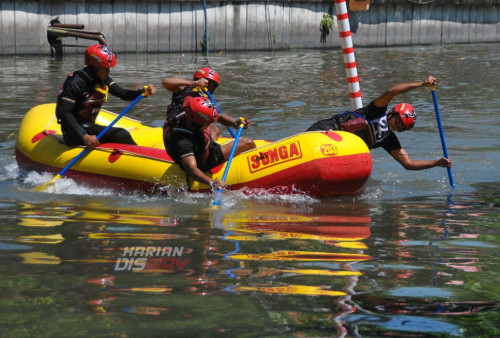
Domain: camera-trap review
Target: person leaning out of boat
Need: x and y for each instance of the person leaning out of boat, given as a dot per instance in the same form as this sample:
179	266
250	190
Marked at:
82	95
376	126
189	143
205	78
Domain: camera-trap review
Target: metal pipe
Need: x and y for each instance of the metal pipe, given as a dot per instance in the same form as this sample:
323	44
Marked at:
76	34
67	25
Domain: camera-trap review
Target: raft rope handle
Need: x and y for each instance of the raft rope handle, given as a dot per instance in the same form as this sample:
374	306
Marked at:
50	123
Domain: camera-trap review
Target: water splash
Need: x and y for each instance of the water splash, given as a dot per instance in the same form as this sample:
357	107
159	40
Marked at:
63	185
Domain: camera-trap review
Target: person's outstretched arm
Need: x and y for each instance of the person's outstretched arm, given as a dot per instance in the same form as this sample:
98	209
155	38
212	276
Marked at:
176	85
385	98
408	163
129	94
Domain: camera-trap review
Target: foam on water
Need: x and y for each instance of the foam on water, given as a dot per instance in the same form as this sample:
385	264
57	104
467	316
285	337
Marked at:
68	186
63	185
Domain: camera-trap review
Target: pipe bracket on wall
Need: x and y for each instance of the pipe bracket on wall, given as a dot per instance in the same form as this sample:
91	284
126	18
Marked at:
57	31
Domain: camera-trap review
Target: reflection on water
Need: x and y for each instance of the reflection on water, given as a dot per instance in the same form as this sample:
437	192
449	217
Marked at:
409	257
330	270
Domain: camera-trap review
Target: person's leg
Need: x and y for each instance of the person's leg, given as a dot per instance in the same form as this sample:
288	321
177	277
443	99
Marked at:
113	135
70	137
219	154
244	144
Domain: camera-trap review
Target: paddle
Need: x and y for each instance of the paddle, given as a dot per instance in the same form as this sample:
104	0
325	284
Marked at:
218	193
44	186
441	133
216	106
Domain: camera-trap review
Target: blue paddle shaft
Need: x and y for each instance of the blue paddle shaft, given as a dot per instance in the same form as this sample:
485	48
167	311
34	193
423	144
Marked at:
104	131
229	160
220	112
233	150
441	134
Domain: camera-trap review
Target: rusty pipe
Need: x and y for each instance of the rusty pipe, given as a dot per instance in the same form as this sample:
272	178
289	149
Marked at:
67	25
76	34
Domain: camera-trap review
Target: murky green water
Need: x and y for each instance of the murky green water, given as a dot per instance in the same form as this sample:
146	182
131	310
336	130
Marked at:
409	257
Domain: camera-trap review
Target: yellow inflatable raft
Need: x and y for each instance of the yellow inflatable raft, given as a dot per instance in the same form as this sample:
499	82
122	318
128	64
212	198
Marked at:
315	163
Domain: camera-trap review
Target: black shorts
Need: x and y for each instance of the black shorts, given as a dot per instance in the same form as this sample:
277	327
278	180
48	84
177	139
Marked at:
215	156
113	135
328	124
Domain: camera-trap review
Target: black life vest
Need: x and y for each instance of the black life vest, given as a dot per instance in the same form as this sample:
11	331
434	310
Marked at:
93	103
352	121
91	100
357	124
178	99
201	139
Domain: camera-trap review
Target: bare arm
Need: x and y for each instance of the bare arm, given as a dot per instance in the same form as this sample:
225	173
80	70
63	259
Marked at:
228	121
191	166
385	98
402	157
175	84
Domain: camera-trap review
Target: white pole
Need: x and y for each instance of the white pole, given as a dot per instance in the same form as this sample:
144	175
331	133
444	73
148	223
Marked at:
348	52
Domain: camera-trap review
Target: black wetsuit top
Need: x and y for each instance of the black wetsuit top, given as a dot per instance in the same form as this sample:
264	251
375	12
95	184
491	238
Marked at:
369	123
179	98
79	102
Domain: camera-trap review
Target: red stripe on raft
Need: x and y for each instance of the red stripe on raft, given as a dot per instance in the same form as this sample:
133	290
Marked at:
345	34
42	135
350	65
160	154
333	135
355	95
339	1
353	79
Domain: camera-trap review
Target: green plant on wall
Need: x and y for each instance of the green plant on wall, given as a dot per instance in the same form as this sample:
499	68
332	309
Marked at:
203	42
325	26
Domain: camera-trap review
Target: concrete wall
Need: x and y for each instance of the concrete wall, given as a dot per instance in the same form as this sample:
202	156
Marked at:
178	26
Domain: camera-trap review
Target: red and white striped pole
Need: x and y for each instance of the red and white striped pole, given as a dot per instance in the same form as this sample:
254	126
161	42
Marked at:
348	52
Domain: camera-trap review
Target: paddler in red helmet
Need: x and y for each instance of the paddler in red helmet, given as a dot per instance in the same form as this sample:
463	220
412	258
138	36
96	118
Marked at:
204	79
377	126
189	143
82	95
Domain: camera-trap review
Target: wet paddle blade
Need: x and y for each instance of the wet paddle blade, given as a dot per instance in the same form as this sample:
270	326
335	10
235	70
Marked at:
44	186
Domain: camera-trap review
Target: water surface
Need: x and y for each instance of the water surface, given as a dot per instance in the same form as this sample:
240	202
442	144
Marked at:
408	257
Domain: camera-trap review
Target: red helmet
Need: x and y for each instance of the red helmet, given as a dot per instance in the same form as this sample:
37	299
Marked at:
407	114
201	111
207	73
100	56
